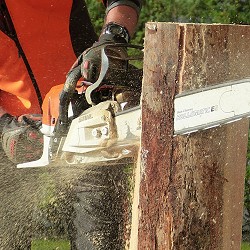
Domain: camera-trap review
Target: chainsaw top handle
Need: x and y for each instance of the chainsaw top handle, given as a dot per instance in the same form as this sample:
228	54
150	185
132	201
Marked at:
75	74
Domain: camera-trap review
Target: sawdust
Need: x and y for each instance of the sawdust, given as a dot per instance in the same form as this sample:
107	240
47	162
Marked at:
55	200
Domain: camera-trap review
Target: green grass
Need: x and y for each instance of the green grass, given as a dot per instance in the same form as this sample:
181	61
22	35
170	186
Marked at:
50	245
245	246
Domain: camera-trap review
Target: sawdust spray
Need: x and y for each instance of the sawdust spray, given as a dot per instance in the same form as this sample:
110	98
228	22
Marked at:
84	205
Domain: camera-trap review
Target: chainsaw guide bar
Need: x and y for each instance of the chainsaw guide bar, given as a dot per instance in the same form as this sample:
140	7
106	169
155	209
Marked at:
211	106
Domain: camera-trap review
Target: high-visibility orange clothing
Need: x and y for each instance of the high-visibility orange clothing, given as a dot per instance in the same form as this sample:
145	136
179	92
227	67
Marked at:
51	34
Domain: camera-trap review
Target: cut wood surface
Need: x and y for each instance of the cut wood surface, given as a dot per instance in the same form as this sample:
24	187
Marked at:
191	187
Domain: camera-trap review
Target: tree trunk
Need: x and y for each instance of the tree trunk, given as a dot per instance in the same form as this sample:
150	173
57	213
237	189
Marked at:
192	186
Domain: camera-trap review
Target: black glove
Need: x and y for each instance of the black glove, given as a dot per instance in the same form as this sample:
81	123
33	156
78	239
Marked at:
114	38
88	65
91	60
21	138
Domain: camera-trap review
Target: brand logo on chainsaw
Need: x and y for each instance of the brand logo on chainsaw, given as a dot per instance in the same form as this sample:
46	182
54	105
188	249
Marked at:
188	113
85	117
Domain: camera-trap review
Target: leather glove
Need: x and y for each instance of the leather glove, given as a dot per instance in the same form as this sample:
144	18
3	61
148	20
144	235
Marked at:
114	38
21	138
91	61
88	66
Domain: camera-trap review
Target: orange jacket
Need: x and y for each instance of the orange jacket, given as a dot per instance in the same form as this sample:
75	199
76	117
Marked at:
51	34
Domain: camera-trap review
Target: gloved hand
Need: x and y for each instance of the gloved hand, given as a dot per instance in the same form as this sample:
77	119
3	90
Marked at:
88	66
90	60
21	138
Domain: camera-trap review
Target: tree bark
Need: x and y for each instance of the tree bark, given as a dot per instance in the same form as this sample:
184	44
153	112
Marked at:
192	186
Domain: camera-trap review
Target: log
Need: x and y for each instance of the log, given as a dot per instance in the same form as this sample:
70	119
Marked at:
191	187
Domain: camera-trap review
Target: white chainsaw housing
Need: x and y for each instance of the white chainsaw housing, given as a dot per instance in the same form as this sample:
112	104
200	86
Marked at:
103	133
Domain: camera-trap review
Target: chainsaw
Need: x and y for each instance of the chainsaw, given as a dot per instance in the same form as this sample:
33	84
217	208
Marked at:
101	122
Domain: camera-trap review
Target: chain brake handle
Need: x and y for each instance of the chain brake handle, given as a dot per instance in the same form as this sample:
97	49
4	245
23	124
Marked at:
105	65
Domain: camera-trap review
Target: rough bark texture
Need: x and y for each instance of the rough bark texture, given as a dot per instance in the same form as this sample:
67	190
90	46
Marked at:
191	189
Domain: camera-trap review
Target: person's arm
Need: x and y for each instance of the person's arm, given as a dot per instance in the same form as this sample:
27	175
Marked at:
119	26
125	16
124	13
